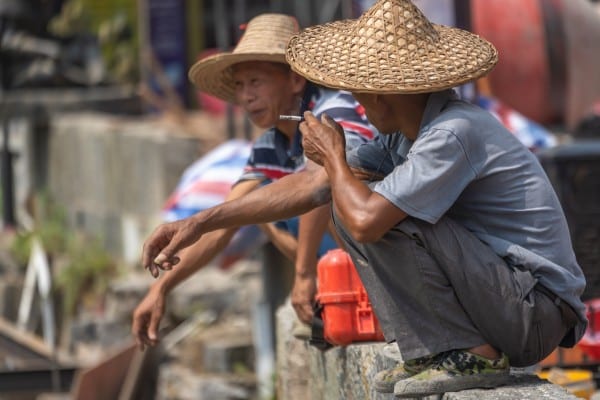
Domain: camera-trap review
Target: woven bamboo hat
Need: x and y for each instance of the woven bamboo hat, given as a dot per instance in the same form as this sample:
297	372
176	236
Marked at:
391	48
265	39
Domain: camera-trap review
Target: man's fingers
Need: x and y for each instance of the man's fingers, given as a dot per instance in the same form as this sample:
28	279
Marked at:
137	332
166	259
147	254
309	117
327	120
304	312
330	122
307	314
153	270
161	258
154	323
169	264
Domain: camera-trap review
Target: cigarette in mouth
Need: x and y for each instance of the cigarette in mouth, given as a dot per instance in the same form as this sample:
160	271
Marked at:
292	117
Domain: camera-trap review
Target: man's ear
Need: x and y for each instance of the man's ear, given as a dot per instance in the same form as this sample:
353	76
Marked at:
298	83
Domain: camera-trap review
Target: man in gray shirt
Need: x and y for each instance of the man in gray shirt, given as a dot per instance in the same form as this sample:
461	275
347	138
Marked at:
451	222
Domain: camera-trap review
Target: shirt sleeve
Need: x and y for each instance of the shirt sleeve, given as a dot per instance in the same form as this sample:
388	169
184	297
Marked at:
436	171
345	110
372	156
251	171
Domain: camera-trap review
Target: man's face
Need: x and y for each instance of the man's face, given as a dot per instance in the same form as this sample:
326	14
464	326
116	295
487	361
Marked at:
265	90
375	111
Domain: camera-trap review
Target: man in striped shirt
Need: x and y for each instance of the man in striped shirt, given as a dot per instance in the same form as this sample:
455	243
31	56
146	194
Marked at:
256	77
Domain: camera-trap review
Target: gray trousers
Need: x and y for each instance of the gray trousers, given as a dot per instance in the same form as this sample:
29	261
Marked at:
438	287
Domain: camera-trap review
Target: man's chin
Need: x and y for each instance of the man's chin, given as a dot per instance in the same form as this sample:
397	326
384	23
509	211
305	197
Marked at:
261	121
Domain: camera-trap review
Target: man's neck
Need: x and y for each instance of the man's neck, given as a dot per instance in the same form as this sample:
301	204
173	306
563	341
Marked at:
288	128
409	118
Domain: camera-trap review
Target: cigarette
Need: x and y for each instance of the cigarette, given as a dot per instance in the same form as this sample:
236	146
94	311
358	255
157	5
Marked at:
292	117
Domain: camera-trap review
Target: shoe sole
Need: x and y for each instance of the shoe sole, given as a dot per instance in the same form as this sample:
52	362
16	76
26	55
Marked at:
387	386
382	387
412	388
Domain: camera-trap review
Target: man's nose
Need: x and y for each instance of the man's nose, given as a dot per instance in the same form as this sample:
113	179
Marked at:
245	94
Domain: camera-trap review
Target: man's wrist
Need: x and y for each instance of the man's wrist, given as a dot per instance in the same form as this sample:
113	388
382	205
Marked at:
334	165
162	286
305	274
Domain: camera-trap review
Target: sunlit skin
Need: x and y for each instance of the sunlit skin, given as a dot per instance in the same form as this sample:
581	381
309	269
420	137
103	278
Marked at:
263	90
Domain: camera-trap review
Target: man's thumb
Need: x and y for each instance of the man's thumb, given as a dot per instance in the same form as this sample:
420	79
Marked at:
166	255
330	122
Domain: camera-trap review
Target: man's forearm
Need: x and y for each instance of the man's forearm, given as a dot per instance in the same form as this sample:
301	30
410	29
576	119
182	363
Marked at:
194	258
288	197
349	193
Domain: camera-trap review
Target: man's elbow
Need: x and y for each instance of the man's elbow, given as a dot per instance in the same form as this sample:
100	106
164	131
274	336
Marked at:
365	230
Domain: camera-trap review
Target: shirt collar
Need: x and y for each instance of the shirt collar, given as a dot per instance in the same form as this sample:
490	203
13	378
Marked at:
435	104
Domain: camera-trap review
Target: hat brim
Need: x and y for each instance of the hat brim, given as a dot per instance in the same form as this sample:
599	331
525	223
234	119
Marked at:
213	74
335	55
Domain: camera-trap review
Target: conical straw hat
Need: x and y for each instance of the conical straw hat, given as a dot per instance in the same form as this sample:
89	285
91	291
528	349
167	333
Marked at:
265	39
391	48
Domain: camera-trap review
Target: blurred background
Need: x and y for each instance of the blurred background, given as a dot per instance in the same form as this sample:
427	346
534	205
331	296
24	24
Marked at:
103	138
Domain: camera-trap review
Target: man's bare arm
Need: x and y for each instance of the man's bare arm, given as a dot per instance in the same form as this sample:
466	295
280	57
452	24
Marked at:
366	214
290	196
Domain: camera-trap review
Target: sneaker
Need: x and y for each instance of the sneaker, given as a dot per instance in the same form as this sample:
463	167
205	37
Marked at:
385	380
456	370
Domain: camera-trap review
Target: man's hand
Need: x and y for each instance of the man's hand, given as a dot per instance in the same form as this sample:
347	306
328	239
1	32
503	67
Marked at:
161	247
146	319
303	297
322	140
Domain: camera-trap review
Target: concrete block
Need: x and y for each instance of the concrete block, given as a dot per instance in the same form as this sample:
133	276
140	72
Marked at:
103	167
292	357
522	387
347	372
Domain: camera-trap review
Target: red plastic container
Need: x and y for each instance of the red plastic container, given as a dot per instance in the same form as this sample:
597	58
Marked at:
590	342
347	313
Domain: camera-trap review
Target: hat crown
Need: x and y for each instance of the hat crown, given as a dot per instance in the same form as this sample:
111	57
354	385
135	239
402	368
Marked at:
267	34
397	22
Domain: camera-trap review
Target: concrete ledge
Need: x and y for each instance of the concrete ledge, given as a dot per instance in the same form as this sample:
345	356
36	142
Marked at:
523	387
346	373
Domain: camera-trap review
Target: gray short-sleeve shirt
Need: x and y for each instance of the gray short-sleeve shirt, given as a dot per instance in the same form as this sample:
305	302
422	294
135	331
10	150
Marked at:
466	165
